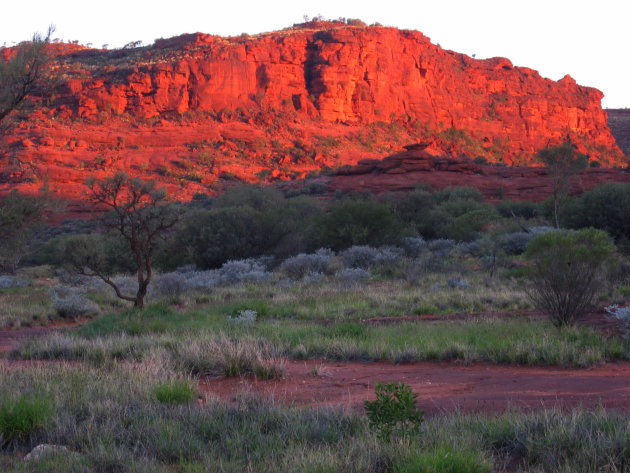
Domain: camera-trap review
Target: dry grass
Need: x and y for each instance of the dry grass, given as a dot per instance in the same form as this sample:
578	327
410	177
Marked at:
25	307
111	420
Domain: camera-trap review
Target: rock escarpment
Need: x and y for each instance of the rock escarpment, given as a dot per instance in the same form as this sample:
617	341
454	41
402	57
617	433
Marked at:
198	111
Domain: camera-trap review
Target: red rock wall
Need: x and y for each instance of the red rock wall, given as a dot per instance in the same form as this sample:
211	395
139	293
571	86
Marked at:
365	90
360	75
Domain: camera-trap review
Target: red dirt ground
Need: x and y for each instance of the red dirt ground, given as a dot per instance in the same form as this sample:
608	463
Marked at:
441	386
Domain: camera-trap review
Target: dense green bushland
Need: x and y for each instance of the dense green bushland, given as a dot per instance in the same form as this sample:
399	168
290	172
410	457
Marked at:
251	221
605	207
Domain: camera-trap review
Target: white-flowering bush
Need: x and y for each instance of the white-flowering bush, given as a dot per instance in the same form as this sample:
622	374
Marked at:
303	264
472	248
245	270
7	282
516	243
387	255
413	246
622	314
244	317
232	272
70	302
203	280
442	247
359	256
457	283
365	257
169	284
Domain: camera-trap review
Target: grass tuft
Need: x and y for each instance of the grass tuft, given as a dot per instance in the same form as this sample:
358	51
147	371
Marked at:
23	416
174	392
444	459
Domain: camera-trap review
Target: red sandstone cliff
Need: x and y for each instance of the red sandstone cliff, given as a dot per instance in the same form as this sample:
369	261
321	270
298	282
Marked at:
196	111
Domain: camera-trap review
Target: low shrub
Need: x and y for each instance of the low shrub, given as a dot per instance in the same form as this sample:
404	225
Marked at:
359	256
566	271
169	285
8	282
394	411
622	314
515	243
245	270
365	257
353	275
304	264
442	247
413	246
69	302
244	317
457	283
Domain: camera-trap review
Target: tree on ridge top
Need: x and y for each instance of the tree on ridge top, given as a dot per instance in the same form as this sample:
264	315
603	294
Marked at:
22	72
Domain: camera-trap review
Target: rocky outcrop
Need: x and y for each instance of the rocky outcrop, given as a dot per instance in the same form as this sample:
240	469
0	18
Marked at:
404	170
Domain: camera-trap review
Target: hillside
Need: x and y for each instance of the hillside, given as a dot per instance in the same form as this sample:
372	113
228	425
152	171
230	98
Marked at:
198	112
619	124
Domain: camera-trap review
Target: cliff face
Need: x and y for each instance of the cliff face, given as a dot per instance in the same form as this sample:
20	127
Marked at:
197	110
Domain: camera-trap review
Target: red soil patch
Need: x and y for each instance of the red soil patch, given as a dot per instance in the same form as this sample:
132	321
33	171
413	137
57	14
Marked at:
445	386
11	339
441	386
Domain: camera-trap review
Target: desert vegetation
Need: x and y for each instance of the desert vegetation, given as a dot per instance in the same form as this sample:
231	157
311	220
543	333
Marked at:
245	284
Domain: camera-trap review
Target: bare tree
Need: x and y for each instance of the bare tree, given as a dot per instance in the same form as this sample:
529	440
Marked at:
141	214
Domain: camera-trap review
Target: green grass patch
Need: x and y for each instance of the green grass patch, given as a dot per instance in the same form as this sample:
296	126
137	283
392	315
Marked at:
22	416
507	341
233	349
624	290
444	459
174	392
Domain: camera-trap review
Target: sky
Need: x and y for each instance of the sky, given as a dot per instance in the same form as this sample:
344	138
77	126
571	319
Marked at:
583	38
